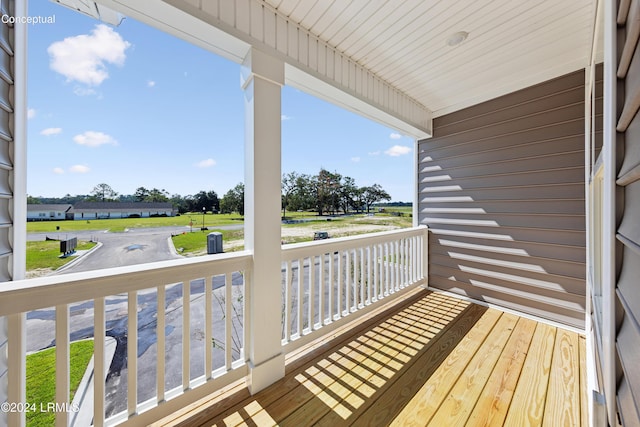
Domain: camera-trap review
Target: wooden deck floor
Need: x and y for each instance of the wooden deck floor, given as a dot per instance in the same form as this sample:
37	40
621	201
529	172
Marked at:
431	360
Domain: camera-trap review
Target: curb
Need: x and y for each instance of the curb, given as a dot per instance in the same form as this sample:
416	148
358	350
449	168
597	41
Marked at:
83	399
78	259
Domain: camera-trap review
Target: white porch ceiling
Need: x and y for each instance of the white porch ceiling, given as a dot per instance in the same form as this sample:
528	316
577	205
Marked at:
389	59
512	44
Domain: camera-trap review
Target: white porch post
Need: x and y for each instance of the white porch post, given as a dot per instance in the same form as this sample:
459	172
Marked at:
262	79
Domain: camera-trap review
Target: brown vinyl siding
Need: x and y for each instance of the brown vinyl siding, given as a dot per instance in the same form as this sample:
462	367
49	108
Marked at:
628	212
501	187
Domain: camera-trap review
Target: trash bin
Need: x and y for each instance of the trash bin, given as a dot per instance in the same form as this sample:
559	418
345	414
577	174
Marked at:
214	243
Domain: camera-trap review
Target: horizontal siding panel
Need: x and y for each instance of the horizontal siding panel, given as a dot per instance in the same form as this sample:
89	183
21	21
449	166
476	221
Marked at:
575	80
509	278
500	179
627	347
532	235
526	144
533	192
5	157
533	249
629	284
5	42
630	177
5	132
463	144
543	119
572	207
5	244
523	165
632	148
623	12
558	101
629	225
523	304
549	222
553	293
631	95
5	189
628	411
475	180
537	266
5	216
5	55
4	96
632	33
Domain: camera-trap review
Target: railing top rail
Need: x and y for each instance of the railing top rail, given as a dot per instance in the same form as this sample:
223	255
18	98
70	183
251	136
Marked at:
304	249
24	295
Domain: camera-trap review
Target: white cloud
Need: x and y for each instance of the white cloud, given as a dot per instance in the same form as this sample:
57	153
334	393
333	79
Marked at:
374	153
79	169
284	117
151	83
94	139
83	91
207	163
84	58
355	159
58	171
31	113
395	135
398	150
50	131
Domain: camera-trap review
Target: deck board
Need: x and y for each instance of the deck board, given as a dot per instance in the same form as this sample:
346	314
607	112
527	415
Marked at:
431	360
491	407
527	406
584	404
445	372
387	351
390	401
563	397
460	401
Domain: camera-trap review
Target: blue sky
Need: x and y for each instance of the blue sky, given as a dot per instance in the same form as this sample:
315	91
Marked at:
133	107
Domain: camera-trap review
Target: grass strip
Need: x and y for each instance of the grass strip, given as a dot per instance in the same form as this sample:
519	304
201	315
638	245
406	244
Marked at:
41	380
47	254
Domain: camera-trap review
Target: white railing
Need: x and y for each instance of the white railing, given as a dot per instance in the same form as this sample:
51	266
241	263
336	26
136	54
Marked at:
197	343
191	348
326	281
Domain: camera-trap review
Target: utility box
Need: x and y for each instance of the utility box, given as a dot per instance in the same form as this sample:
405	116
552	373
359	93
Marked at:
214	243
68	246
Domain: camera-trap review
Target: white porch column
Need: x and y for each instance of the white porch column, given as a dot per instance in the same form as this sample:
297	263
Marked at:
262	79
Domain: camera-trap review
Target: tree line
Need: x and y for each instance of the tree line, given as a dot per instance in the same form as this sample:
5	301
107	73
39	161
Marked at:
327	193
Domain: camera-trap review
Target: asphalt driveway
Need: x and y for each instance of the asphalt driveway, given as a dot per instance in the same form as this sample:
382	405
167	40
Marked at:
127	248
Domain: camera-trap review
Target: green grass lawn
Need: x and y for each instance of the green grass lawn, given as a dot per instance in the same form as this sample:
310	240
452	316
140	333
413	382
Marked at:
41	374
120	224
46	254
195	243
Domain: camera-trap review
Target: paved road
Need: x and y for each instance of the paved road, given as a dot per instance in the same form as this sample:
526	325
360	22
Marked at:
120	249
134	246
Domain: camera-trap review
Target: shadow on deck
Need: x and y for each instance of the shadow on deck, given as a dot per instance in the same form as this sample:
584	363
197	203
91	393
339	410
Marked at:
431	359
